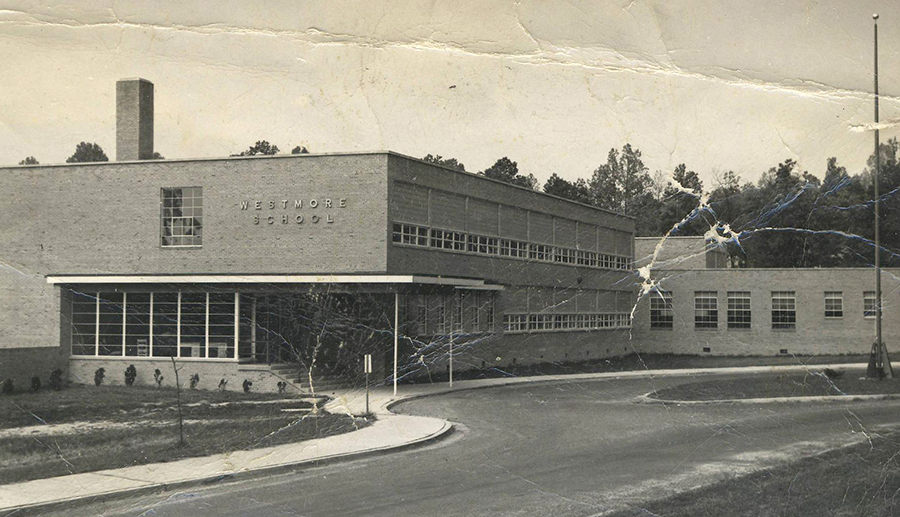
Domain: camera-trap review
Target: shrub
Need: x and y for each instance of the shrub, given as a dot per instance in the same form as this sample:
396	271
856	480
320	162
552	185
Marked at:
35	384
8	387
130	375
247	384
158	377
223	384
195	380
56	381
281	387
98	376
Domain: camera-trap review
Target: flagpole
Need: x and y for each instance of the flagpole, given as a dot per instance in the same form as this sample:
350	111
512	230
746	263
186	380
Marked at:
883	360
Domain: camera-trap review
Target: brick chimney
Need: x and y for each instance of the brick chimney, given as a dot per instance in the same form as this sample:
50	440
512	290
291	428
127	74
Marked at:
134	120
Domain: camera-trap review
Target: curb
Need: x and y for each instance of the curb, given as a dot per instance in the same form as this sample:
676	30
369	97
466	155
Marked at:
633	374
70	503
646	398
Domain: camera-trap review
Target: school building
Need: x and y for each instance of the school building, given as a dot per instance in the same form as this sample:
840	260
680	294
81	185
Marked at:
268	268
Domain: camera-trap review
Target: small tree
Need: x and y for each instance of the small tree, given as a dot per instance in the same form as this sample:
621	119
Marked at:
87	152
195	380
178	402
158	377
247	384
300	149
31	160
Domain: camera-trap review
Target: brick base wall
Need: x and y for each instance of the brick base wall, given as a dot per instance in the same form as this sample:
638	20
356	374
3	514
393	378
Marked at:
81	371
21	364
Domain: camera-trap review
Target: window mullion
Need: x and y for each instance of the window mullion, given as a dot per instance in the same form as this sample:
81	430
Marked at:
124	311
206	324
151	324
178	328
97	326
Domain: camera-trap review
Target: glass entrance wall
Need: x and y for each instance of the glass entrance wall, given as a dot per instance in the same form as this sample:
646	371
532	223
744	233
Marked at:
158	324
325	329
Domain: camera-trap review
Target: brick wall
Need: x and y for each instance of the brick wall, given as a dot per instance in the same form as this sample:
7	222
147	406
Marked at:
105	219
814	333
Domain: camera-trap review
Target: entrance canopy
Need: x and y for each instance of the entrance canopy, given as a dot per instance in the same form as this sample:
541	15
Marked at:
470	283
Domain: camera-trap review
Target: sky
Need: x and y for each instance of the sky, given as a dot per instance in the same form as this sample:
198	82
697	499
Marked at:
717	85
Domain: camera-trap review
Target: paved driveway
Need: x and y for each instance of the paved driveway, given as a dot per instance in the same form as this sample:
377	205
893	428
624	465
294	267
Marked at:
553	449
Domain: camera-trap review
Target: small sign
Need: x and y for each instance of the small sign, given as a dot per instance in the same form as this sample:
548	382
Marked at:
143	347
368	365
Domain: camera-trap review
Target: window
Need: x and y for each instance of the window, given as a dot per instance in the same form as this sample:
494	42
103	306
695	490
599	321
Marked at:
784	310
110	333
869	304
483	245
661	313
706	310
564	255
448	240
587	258
509	248
739	309
410	234
153	324
181	216
84	323
834	304
515	322
540	252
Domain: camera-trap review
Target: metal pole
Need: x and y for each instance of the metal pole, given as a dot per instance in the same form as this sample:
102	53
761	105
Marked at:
881	355
396	337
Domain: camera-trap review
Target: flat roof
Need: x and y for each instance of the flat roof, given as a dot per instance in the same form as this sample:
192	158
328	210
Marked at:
312	155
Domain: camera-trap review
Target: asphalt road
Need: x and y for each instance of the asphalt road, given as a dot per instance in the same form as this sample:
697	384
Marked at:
555	449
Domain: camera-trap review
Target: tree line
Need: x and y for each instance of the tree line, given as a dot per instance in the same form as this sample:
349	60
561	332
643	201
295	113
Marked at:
788	218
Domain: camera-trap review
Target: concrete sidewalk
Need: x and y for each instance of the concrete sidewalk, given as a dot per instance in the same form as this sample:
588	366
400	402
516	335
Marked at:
390	431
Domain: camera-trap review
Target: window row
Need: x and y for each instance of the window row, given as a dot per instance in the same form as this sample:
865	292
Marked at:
176	324
783	312
422	236
532	322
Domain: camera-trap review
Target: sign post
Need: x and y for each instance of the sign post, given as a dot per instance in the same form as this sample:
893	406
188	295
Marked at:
368	369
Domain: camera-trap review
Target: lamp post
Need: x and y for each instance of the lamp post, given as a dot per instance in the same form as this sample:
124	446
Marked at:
882	366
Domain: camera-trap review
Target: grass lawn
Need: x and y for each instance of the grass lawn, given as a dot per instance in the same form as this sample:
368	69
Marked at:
138	425
80	403
860	480
633	362
781	385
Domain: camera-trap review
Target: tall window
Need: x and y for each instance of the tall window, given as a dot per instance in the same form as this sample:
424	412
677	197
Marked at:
706	310
869	304
834	304
739	309
661	313
784	310
181	216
